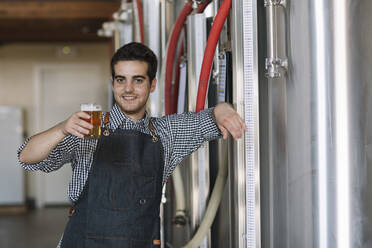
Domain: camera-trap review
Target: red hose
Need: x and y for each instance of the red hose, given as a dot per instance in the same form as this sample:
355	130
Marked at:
202	6
140	20
177	79
171	54
209	53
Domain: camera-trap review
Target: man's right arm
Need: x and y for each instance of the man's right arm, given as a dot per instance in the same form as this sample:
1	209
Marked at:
41	145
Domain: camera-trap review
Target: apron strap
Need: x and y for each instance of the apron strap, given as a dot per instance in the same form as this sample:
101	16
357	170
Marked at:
106	121
155	138
71	211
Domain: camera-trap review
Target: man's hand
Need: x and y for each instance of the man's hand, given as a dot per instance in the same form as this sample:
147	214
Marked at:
75	125
228	121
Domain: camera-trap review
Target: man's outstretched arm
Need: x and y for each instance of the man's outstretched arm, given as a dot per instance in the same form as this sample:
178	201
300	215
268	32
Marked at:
42	144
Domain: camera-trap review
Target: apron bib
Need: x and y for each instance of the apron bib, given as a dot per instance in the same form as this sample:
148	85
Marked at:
119	205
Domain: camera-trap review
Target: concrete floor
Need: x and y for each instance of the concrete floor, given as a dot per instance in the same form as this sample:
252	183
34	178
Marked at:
36	229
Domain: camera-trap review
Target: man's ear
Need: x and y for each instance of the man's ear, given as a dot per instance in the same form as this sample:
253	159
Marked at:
153	85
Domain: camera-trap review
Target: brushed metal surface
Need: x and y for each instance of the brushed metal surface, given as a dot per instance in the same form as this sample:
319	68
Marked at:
318	137
199	160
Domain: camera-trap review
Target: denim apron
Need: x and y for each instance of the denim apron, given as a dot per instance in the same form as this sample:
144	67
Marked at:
119	205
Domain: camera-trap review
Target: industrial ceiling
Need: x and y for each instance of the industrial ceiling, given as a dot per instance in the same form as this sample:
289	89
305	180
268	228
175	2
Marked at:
54	20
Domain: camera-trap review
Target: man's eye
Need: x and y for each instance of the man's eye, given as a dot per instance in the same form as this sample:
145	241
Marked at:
119	80
139	80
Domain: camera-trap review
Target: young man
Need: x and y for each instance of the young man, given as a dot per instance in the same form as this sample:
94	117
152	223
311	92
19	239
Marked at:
116	181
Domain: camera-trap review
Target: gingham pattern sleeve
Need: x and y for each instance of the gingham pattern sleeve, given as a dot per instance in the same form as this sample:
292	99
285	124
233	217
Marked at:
63	153
187	132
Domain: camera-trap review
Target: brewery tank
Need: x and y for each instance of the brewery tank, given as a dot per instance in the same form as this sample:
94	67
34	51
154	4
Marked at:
315	123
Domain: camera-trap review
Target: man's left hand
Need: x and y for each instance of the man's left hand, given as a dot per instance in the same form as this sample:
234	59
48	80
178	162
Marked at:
229	121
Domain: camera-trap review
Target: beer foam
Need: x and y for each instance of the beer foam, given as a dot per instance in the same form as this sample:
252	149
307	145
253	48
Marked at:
90	107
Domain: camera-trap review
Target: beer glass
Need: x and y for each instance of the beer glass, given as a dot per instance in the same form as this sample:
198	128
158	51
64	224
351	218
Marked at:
95	112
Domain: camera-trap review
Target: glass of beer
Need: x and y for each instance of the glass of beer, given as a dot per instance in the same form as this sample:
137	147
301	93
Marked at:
95	112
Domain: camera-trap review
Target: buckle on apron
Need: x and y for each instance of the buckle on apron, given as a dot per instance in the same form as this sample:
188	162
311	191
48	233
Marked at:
154	138
106	132
156	242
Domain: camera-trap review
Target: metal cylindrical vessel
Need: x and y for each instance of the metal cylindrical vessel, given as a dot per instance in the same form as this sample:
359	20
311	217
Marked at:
318	135
151	9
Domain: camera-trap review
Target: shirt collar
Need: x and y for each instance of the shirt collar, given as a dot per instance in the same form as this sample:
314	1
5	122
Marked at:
118	118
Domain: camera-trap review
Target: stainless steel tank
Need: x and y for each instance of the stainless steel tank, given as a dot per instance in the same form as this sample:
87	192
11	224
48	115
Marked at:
315	125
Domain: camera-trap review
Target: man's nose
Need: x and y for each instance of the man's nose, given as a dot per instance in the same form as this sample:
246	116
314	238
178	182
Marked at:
129	87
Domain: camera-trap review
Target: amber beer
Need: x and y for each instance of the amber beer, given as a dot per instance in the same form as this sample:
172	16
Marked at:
95	112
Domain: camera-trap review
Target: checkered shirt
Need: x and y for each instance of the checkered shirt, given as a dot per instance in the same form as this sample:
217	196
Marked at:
180	134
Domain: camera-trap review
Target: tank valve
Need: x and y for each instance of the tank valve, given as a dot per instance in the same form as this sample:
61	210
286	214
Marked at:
273	65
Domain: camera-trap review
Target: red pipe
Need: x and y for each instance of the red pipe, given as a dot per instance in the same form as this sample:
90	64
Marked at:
202	6
171	54
209	53
140	20
177	79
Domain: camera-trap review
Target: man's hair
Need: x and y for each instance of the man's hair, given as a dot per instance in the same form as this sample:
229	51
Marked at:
136	51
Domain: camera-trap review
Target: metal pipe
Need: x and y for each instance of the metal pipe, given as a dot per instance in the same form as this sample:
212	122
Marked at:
273	62
136	22
199	160
322	158
152	28
342	129
164	38
177	68
245	163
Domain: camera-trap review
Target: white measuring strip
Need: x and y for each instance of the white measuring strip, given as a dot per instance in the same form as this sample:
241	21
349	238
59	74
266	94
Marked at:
251	120
221	87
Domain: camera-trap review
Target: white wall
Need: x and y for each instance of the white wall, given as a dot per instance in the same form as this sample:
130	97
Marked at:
17	63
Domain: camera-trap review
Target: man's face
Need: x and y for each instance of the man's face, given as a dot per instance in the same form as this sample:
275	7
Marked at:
132	87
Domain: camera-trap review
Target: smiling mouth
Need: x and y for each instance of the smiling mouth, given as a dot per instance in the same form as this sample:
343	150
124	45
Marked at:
129	98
